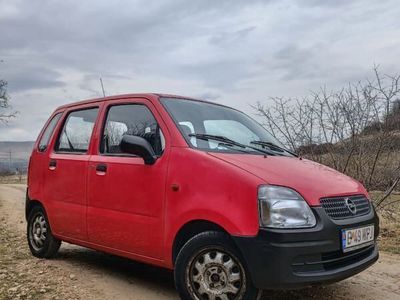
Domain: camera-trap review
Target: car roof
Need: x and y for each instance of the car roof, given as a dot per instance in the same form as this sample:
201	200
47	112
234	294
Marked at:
138	95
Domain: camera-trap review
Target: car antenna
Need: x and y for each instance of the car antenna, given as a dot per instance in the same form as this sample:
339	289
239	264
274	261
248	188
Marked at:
102	87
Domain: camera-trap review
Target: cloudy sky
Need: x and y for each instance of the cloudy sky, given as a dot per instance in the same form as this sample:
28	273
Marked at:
232	52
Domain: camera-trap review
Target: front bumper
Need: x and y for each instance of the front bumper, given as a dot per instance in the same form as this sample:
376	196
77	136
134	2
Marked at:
295	258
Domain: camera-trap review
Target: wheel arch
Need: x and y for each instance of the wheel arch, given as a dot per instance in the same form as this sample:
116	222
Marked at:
191	229
30	204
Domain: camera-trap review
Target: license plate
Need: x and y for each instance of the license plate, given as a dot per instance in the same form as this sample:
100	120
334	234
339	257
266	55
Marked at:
357	238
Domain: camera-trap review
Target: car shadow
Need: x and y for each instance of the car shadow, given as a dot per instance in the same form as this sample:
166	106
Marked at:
150	277
159	279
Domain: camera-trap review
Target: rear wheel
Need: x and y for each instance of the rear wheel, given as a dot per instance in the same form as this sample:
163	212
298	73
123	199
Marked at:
41	241
209	267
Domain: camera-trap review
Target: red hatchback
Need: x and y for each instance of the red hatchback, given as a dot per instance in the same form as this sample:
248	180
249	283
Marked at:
196	187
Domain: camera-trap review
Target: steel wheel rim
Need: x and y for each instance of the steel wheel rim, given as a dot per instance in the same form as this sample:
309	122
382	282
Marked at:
215	274
38	232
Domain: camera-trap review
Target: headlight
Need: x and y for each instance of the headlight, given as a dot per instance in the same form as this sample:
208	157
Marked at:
282	207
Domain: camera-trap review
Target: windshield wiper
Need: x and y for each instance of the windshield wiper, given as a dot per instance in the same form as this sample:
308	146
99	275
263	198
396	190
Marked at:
273	147
243	150
227	141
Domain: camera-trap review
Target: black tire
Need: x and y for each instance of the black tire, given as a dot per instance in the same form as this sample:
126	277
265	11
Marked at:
41	241
210	262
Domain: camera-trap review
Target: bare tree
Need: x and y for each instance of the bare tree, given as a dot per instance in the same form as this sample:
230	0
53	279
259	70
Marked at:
355	130
5	109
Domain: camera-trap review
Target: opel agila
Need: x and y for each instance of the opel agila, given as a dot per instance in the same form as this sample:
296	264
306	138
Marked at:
198	188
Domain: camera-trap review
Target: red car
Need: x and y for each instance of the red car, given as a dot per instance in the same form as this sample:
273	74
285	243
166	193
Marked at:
196	187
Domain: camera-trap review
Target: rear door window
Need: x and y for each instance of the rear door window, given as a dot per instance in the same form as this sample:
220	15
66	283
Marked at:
48	132
77	131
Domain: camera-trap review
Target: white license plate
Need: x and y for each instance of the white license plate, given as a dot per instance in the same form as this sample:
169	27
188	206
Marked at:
357	238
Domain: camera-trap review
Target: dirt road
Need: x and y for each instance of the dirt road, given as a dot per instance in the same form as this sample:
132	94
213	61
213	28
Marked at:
79	273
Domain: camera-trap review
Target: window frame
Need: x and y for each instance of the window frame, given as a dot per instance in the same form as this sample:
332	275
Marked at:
64	122
48	143
103	126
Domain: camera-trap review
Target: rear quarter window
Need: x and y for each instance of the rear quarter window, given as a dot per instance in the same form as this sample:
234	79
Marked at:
48	132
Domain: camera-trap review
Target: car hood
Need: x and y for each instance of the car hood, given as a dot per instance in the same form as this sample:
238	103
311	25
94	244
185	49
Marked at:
312	180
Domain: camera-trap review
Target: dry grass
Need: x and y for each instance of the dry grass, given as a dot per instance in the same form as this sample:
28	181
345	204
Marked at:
389	239
360	165
10	179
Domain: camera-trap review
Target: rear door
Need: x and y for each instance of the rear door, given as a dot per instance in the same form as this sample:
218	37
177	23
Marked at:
66	173
125	196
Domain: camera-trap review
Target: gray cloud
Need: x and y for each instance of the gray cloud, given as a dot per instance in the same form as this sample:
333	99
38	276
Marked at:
35	77
233	52
226	38
209	96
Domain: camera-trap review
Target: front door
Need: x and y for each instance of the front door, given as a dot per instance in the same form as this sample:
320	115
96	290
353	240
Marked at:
125	196
64	183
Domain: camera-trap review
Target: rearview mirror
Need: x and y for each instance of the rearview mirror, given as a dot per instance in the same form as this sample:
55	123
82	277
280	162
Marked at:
138	146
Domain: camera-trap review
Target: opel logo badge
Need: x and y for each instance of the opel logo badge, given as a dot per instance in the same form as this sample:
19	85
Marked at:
350	205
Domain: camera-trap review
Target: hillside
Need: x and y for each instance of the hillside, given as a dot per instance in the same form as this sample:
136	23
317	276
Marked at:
14	155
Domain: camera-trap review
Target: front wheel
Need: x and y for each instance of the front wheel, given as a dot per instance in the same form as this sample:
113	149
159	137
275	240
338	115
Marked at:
41	241
208	267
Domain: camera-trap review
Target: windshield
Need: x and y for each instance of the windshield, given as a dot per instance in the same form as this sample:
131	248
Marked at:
213	127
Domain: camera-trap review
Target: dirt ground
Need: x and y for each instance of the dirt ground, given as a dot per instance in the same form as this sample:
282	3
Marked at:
79	273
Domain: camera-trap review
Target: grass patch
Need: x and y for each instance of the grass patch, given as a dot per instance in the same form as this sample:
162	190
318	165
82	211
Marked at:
13	179
389	215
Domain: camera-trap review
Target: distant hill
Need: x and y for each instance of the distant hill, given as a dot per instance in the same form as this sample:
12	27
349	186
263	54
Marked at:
15	155
19	150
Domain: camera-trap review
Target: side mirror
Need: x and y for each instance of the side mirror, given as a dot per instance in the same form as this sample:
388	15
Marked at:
138	146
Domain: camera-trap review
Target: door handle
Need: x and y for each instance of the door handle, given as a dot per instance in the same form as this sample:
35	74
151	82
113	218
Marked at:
101	168
52	164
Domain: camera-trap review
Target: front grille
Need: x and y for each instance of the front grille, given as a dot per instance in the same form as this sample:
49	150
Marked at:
346	207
